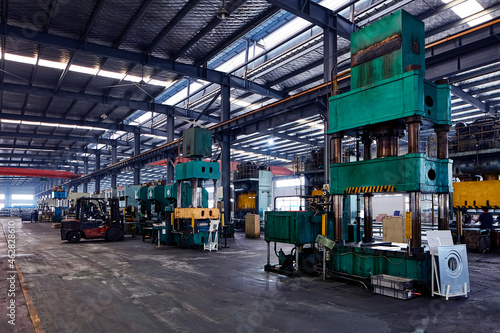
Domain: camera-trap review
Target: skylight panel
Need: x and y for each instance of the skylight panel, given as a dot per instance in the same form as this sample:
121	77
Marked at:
469	8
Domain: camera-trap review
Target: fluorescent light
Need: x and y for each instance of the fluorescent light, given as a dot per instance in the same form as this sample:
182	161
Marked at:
133	78
24	122
52	64
10	121
112	75
18	58
84	70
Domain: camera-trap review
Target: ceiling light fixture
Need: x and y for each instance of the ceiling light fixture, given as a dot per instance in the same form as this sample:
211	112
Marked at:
223	13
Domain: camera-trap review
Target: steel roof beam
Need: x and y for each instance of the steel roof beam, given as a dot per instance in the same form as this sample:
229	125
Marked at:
105	100
202	33
318	15
78	138
171	25
473	50
63	149
470	99
163	64
99	125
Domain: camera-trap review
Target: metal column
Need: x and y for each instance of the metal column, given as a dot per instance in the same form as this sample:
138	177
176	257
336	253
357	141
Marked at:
75	187
86	172
443	198
97	167
329	61
114	159
137	151
337	199
170	138
226	151
368	222
416	228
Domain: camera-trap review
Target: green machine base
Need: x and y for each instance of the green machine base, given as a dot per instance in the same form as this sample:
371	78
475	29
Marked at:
364	262
187	240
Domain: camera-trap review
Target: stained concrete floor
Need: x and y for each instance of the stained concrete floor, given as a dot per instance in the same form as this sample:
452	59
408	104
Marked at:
131	286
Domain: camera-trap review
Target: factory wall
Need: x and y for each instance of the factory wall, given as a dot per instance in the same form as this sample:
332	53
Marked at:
8	191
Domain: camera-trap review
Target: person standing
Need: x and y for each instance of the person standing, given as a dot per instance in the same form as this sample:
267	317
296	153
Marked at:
486	219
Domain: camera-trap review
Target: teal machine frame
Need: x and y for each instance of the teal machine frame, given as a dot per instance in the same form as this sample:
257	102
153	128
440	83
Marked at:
390	97
191	218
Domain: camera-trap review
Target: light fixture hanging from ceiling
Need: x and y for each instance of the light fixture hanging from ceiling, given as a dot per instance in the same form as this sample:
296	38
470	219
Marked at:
223	12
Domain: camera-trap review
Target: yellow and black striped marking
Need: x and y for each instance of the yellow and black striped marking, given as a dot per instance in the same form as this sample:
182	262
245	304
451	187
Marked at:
370	189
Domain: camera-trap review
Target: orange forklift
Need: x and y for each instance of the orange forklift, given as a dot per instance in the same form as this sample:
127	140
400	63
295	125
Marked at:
94	219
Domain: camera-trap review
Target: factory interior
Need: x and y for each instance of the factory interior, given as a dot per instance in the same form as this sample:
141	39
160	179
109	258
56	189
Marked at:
249	166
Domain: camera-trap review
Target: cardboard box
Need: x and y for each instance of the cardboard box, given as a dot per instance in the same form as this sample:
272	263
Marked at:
394	228
252	226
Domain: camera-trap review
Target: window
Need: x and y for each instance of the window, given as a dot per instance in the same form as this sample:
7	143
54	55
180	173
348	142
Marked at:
24	197
290	182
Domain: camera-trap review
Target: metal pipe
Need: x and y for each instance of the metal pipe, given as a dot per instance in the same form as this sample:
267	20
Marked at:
442	141
297	258
367	147
194	193
459	226
337	148
443	211
416	227
387	145
179	194
268	253
337	211
414	134
368	222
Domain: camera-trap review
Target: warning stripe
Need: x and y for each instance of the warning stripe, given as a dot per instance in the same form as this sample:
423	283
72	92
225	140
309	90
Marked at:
370	189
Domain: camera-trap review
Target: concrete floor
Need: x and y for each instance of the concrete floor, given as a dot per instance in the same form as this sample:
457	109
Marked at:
131	286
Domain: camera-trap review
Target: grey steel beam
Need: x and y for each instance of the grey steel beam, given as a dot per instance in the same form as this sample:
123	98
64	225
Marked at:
106	100
170	138
226	153
65	138
100	125
63	149
131	24
203	32
440	9
464	20
318	15
470	99
163	64
474	74
473	50
171	25
241	33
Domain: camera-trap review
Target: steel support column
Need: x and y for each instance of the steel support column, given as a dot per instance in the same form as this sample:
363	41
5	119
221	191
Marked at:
97	167
86	172
226	151
137	151
443	198
329	62
368	221
338	206
114	159
170	138
75	187
416	227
